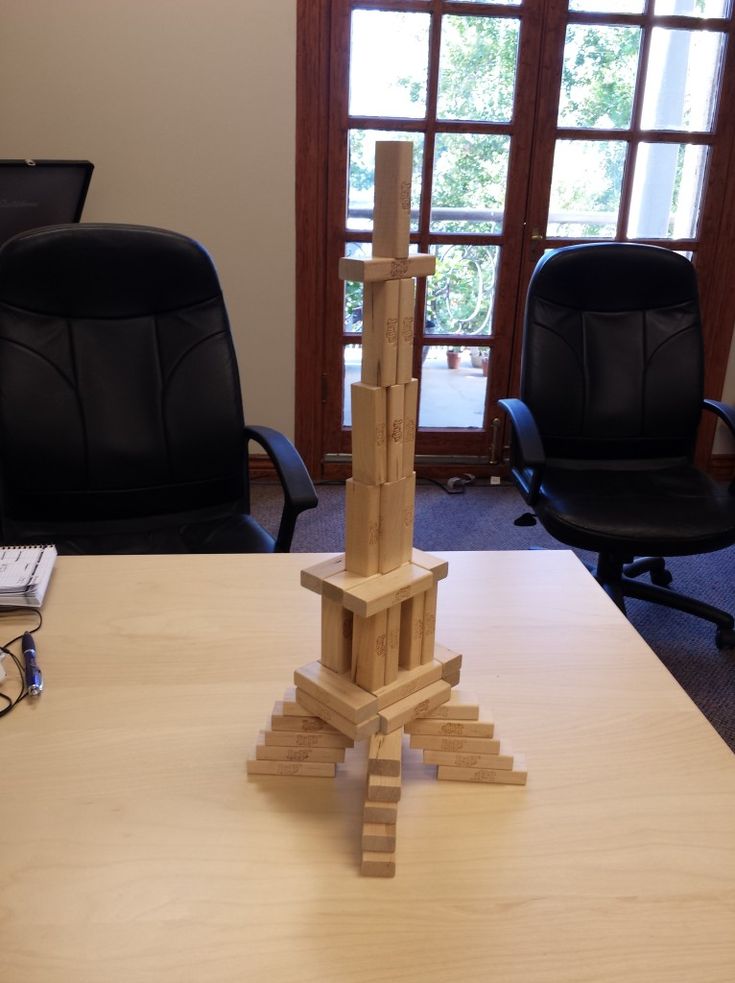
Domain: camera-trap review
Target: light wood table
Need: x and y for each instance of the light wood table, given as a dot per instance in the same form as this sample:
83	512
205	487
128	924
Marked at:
135	849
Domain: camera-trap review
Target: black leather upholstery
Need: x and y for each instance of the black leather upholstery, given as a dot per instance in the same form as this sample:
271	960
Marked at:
121	421
611	399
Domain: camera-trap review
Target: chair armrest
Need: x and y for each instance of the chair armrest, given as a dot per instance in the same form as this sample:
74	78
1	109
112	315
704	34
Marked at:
727	414
529	470
298	489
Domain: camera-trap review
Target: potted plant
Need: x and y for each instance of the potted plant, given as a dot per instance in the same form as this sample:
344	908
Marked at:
454	356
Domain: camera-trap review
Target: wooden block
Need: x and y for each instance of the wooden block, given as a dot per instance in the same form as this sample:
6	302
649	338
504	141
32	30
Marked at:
404	360
451	662
409	508
452	678
384	754
382	268
378	864
394	433
358	732
369	650
380	812
393	634
461	705
517	776
288	738
438	567
304	725
289	706
471	745
383	788
313	577
369	434
380	334
380	837
429	638
292	769
410	424
407	681
392	208
335	691
392	499
405	710
336	636
501	762
275	752
412	631
451	728
373	594
362	527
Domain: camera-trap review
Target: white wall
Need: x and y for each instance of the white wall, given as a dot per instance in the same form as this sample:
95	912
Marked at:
187	109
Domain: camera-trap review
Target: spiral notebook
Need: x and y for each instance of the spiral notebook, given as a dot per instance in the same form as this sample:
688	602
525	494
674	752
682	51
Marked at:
25	572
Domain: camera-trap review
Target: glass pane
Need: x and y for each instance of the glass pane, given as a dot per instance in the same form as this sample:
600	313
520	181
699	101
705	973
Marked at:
514	3
362	175
451	397
693	8
608	6
585	188
352	370
389	55
667	191
681	81
352	320
598	79
470	177
461	295
477	68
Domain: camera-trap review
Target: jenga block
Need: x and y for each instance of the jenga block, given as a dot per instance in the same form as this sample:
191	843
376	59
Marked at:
461	705
384	754
407	681
452	678
379	837
336	636
380	812
292	769
369	434
383	788
461	759
412	631
335	691
516	776
410	423
392	209
394	432
404	362
451	662
393	634
289	706
392	503
288	738
456	745
429	636
369	649
383	268
405	710
378	864
409	508
373	594
304	725
451	728
313	577
358	732
438	567
275	752
380	334
362	527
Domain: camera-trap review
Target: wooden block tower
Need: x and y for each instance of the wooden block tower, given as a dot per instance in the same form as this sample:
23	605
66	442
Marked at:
380	670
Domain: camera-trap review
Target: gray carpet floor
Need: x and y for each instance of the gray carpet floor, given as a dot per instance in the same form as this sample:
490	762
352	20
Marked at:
482	519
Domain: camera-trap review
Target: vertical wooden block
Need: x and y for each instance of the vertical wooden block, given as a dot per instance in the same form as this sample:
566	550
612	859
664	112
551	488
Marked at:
368	434
362	527
394	433
336	636
410	423
392	519
412	632
394	644
427	647
380	333
369	648
406	301
409	500
392	209
384	753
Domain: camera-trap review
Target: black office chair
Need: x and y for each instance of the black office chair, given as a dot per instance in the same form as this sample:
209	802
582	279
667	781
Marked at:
604	432
121	422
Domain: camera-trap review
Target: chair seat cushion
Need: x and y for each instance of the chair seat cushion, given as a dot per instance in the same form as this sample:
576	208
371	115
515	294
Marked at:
675	511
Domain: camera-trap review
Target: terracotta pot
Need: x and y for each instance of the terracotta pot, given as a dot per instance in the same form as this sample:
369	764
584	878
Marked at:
485	364
453	359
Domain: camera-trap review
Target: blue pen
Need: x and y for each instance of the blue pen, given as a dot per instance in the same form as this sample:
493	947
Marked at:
34	679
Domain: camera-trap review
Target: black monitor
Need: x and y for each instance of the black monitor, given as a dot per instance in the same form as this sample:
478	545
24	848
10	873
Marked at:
41	192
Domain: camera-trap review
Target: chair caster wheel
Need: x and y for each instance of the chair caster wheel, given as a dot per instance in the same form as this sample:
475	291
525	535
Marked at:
662	579
725	638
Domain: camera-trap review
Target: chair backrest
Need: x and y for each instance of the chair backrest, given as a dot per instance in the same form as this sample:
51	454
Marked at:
612	363
119	389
